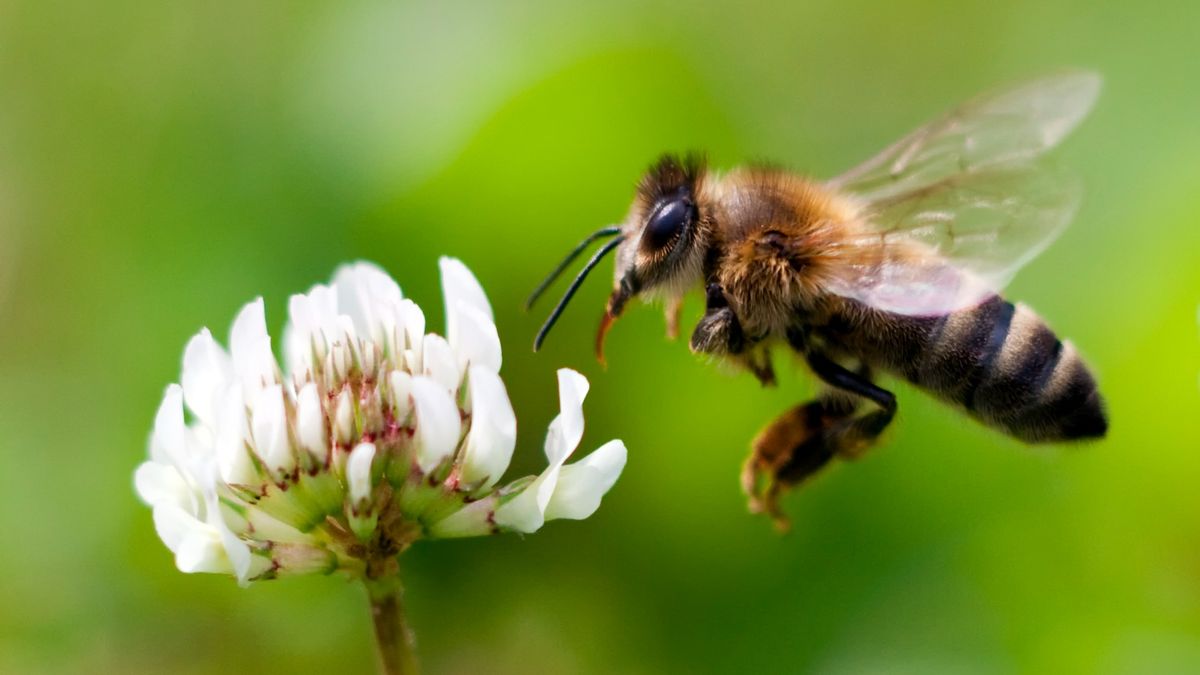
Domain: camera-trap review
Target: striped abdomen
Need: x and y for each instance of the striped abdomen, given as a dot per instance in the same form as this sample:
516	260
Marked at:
997	360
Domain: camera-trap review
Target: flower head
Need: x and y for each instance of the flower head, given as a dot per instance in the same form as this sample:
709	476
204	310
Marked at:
378	434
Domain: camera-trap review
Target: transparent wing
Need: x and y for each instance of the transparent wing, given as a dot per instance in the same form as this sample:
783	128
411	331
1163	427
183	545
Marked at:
1006	127
952	245
955	208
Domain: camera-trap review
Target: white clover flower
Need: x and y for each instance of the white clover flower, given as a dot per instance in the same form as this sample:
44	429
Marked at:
377	435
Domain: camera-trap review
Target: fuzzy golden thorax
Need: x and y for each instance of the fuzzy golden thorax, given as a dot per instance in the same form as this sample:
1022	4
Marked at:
769	238
778	238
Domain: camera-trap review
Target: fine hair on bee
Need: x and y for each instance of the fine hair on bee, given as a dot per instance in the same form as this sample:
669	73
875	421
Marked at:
894	267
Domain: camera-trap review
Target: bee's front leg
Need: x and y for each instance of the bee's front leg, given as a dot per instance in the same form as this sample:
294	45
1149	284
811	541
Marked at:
719	331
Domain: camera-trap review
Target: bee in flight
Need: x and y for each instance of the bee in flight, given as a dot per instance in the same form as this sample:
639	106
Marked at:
894	266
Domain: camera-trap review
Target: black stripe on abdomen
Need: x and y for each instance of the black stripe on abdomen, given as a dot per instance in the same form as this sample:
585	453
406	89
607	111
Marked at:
988	352
1009	370
1035	387
958	348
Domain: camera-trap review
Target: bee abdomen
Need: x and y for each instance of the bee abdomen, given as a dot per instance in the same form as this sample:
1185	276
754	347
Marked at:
1009	370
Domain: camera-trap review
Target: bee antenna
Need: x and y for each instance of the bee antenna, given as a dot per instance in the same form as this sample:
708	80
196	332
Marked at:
566	298
541	288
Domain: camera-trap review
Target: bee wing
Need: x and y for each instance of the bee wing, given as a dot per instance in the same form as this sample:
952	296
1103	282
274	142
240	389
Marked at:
1006	127
955	208
950	246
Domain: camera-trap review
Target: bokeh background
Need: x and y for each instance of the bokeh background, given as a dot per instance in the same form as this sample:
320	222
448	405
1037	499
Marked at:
163	163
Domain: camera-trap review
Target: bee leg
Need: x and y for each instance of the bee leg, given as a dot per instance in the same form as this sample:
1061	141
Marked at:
672	312
760	365
852	437
849	404
788	451
804	439
719	331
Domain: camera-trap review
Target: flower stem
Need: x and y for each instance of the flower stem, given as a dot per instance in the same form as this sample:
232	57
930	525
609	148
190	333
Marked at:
397	645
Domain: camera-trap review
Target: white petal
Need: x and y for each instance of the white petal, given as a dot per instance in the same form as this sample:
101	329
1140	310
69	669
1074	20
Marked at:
167	441
400	386
438	422
202	551
207	372
472	520
371	354
269	426
236	550
365	293
493	431
526	512
440	362
298	354
567	429
341	352
358	471
173	524
470	324
474	339
393	342
322	305
233	457
311	317
301	315
161	484
199	439
343	418
196	545
250	346
521	513
459	285
582	484
353	298
310	422
412	320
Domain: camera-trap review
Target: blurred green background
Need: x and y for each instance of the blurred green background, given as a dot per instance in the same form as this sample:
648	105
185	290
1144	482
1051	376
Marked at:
163	163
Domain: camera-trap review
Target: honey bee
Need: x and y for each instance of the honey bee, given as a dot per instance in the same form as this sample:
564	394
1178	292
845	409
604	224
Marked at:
894	266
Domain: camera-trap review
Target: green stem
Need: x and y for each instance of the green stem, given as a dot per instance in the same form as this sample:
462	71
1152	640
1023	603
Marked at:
397	645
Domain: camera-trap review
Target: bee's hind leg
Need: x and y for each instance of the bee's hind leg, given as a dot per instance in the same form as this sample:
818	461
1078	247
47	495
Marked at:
784	454
804	439
854	435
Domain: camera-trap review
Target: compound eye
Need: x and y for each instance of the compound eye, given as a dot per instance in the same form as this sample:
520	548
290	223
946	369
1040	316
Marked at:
667	222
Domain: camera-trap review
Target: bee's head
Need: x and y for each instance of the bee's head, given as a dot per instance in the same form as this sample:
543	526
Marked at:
663	238
660	247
